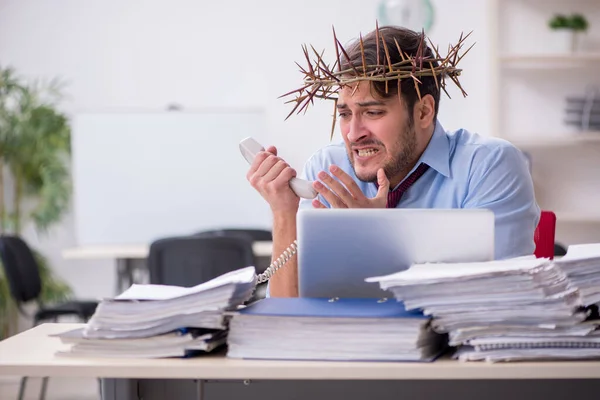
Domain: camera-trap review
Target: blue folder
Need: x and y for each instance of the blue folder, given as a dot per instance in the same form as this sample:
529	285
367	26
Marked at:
322	307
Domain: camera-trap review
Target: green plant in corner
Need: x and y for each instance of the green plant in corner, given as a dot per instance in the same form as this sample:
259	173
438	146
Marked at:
35	183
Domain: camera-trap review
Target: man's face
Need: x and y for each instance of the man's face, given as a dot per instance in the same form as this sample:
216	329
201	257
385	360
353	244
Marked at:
377	132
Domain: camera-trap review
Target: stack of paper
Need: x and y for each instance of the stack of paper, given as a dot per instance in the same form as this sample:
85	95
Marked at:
527	301
582	266
163	320
179	343
336	329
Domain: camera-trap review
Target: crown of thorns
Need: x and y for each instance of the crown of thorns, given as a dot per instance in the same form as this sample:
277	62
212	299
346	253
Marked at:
323	81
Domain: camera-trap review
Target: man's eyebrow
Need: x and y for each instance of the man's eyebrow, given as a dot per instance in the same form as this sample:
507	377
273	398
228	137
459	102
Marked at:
341	106
371	103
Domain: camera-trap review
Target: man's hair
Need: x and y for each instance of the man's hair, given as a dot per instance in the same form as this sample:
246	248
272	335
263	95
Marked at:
409	43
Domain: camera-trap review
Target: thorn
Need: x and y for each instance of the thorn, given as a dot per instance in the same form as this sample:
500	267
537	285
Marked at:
301	68
294	91
434	76
334	119
362	55
399	50
465	53
377	40
337	51
348	58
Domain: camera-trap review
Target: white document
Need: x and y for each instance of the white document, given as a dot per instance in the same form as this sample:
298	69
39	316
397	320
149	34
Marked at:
166	292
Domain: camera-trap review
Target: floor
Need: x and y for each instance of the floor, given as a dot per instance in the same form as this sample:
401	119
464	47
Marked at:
58	389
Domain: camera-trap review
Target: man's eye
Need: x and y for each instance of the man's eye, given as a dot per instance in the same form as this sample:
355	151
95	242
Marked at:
344	115
374	113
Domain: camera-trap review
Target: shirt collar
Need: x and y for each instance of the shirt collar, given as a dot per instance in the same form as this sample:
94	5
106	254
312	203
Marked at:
437	152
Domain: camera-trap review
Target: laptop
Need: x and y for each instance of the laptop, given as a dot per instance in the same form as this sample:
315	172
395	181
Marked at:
339	248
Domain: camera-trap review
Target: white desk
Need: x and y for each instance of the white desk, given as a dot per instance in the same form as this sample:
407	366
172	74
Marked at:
137	251
31	353
128	256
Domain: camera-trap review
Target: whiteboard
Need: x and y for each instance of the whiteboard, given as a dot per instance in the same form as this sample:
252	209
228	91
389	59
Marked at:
138	177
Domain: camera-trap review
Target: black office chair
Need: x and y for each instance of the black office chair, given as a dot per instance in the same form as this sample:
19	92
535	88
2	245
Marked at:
559	249
192	260
23	275
254	235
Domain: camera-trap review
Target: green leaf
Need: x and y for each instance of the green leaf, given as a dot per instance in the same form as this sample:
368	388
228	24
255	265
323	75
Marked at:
559	21
578	23
35	147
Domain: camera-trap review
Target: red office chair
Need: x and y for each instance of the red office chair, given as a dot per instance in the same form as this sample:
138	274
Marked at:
544	235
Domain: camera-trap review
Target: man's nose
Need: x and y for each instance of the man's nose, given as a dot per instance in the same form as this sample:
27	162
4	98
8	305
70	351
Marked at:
357	130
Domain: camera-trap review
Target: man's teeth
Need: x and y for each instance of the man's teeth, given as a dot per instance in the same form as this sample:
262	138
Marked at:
366	153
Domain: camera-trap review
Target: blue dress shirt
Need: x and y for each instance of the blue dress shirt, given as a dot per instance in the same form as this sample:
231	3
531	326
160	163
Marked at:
467	170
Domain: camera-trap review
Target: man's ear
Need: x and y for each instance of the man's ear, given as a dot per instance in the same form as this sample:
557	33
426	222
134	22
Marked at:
425	111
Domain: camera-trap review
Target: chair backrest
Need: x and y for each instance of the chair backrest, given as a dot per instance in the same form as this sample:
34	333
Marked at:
544	235
191	260
20	268
255	235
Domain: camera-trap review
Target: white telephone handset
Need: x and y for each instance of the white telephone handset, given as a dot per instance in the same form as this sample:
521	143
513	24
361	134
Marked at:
250	148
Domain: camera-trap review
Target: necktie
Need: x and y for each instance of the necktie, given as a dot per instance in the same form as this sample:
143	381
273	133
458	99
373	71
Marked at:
394	196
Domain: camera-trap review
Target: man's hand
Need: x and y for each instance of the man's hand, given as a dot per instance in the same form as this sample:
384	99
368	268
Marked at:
345	193
270	176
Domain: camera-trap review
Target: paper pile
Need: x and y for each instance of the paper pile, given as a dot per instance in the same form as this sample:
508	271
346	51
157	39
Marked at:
162	320
582	266
336	329
523	308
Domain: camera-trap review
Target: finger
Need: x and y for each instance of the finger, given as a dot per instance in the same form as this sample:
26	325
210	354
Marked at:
317	204
272	150
284	176
328	195
384	185
275	170
336	187
348	182
258	160
267	164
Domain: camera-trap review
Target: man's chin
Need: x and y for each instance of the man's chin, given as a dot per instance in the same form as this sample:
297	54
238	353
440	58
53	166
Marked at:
367	176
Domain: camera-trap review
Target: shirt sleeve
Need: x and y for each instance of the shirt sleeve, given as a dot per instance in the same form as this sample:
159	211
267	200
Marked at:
500	181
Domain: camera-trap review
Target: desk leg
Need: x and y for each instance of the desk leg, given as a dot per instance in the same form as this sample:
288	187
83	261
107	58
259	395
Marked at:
200	389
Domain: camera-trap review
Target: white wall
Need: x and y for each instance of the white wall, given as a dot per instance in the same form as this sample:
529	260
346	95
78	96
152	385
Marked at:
133	54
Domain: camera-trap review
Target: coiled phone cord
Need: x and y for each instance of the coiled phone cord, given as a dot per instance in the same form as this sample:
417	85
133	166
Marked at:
280	262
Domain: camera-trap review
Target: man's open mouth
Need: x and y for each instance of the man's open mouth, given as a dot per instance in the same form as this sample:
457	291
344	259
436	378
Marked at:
363	153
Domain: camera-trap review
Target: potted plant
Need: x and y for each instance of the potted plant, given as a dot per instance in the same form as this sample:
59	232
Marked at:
567	30
34	178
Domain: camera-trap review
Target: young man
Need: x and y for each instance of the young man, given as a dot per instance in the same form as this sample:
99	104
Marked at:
396	154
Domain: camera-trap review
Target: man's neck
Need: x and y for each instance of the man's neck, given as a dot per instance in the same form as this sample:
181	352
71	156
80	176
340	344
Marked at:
395	181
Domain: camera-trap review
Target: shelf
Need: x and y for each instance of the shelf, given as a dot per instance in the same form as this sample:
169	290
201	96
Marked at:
574	218
546	61
527	141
